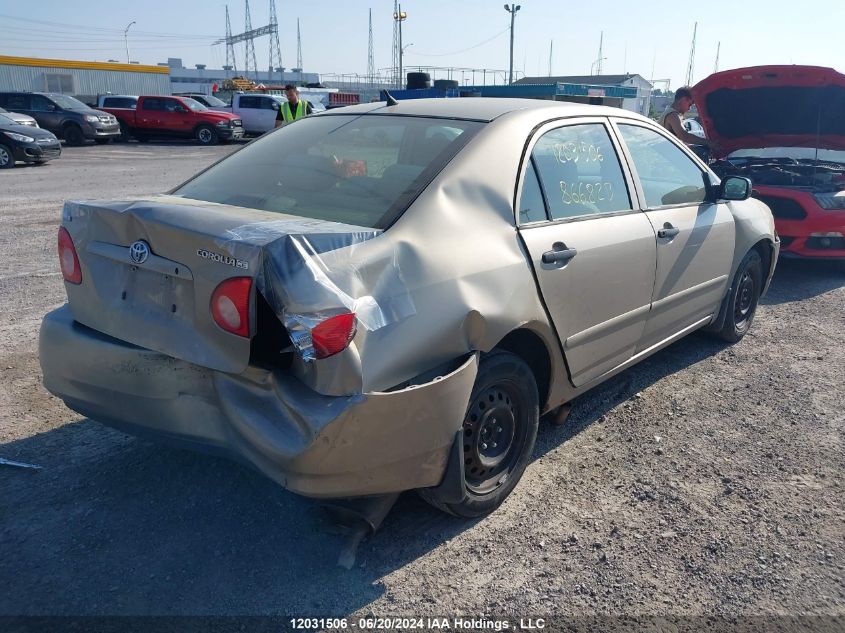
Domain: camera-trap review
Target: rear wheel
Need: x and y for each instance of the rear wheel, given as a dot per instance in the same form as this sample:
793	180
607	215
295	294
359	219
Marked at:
7	158
73	135
499	431
206	135
743	298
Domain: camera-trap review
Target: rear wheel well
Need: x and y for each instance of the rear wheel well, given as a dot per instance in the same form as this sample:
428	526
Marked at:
531	348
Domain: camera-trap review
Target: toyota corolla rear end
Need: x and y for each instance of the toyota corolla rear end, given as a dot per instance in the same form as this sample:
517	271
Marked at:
215	320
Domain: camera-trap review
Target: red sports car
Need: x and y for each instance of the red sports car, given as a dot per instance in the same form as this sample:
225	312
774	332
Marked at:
784	128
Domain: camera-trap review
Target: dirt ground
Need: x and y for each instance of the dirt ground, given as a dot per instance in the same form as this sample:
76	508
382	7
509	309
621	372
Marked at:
706	480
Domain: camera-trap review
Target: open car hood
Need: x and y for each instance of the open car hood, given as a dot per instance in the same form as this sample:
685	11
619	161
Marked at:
773	106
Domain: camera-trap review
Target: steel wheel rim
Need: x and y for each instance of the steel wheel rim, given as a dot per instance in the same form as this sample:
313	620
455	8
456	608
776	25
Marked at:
494	436
744	297
205	136
4	157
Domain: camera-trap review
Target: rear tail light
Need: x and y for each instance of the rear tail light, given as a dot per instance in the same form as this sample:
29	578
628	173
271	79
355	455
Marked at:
68	260
230	305
316	339
333	335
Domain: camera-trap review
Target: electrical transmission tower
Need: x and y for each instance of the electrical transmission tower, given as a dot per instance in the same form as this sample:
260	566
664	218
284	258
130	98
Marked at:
397	51
249	36
249	47
691	66
230	47
371	64
275	48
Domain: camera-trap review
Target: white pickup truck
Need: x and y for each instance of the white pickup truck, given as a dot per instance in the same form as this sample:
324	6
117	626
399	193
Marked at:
257	111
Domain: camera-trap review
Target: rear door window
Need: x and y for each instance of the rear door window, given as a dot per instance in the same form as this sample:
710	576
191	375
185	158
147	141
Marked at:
360	170
154	104
16	103
580	171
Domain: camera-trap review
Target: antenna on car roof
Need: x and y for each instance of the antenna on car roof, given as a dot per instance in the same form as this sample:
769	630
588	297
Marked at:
390	100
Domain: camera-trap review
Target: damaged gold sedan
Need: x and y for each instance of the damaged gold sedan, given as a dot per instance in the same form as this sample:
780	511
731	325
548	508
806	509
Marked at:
388	297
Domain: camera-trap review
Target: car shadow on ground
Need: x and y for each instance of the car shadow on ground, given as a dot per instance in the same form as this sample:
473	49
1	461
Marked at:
116	525
799	279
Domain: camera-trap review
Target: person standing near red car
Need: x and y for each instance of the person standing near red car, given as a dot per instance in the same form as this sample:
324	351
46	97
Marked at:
672	115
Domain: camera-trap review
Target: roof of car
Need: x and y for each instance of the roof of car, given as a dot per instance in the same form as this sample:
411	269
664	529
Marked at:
478	108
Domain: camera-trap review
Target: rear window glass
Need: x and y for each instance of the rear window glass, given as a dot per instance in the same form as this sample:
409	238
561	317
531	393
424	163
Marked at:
361	170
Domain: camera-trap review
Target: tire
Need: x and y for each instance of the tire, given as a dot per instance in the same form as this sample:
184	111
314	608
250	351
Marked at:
206	135
73	135
503	407
7	158
102	141
743	298
125	133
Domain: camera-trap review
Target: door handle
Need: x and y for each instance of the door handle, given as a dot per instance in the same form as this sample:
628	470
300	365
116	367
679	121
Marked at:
668	230
559	254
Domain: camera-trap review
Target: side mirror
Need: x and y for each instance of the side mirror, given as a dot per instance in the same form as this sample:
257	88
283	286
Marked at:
735	188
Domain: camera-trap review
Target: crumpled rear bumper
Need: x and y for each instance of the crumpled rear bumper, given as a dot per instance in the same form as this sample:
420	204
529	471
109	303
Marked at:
315	445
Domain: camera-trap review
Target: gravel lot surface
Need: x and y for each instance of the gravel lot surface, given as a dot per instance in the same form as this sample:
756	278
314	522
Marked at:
706	480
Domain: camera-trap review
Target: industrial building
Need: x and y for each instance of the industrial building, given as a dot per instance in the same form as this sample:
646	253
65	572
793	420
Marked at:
630	91
82	79
202	79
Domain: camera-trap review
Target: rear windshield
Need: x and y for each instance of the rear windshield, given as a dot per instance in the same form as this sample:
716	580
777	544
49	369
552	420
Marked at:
214	102
361	170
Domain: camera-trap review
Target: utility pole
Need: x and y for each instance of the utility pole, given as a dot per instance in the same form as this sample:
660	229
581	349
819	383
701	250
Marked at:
512	9
551	45
397	82
718	49
371	64
126	40
298	50
691	65
600	59
400	16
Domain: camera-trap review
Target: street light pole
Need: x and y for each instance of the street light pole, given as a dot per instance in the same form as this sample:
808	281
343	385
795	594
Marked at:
598	61
126	39
512	9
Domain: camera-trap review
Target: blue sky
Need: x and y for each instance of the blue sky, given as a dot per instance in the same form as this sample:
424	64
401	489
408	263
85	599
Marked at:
638	35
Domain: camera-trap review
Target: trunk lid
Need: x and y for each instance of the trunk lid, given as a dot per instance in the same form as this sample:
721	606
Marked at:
773	106
163	302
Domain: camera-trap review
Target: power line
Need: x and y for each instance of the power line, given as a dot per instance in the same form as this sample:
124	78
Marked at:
464	50
79	28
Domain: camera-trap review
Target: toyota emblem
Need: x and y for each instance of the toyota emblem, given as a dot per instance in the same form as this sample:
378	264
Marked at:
139	251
